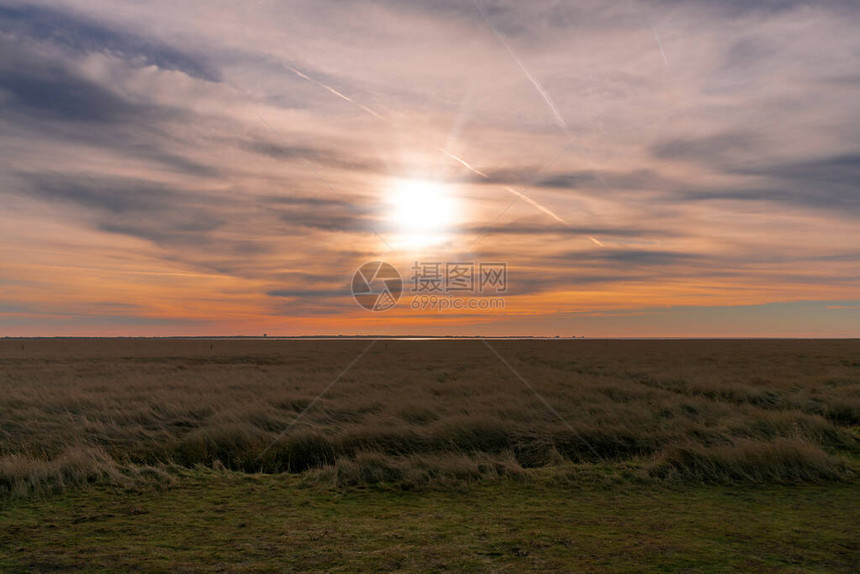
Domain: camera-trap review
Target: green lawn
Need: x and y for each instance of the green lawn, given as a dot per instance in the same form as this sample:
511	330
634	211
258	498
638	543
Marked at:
223	521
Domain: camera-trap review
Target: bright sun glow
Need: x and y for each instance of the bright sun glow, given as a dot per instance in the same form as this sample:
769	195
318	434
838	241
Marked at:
424	213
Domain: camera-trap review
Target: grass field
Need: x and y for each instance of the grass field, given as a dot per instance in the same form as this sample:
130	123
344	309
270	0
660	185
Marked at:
576	454
222	521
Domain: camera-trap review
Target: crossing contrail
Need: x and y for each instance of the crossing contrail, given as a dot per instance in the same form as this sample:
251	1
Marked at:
463	162
332	90
559	120
507	188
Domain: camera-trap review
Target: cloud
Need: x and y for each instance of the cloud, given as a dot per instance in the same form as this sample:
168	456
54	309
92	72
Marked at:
540	229
337	159
760	8
308	293
50	98
207	229
632	257
712	149
840	170
830	184
78	34
139	208
45	89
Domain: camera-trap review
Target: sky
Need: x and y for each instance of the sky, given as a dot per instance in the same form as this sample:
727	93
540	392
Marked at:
658	168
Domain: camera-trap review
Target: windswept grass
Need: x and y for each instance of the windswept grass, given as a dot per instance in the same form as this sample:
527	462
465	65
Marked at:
22	476
425	413
749	461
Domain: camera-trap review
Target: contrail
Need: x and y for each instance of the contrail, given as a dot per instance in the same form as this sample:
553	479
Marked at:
462	161
660	45
332	90
507	188
544	169
559	120
534	203
596	241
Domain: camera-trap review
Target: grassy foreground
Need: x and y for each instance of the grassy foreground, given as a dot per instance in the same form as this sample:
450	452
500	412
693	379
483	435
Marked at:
226	521
192	455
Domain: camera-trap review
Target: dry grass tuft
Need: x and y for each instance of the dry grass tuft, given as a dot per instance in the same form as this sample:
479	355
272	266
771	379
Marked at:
780	461
22	476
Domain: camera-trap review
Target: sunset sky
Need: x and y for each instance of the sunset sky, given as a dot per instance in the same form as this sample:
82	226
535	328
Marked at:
217	168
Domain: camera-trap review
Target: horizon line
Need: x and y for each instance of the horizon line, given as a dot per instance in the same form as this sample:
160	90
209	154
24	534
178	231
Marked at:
440	337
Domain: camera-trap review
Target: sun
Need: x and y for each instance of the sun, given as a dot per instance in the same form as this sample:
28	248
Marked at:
423	213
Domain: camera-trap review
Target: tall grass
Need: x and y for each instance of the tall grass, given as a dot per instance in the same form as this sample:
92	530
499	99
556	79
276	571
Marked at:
779	461
766	411
22	476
